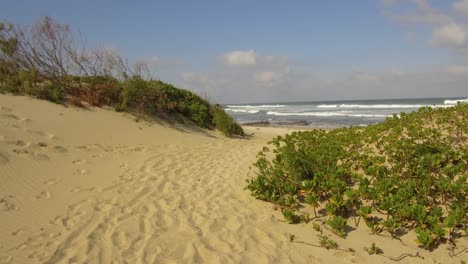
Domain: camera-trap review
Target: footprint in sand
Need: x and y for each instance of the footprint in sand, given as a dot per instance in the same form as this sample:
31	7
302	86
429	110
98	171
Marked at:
120	239
76	189
81	171
100	155
42	144
15	126
43	195
25	120
70	221
6	259
36	132
5	109
52	137
6	205
21	152
40	156
60	149
51	181
17	232
3	159
86	148
79	161
19	143
9	116
83	189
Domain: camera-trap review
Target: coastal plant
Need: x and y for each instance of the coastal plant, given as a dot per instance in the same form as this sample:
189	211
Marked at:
374	250
290	216
408	173
364	212
313	200
225	123
338	224
374	225
304	218
48	62
425	237
326	242
390	225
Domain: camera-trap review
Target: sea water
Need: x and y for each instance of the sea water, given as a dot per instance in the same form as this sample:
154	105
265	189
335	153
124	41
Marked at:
332	114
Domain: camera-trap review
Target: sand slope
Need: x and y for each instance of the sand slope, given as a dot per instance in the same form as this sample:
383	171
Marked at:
94	186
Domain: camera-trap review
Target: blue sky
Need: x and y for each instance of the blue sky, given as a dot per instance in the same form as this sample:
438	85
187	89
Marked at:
247	51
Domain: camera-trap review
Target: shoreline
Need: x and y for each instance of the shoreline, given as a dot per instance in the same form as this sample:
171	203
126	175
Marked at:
333	114
288	126
96	186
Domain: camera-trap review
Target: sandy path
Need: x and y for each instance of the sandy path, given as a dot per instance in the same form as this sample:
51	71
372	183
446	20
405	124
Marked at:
75	192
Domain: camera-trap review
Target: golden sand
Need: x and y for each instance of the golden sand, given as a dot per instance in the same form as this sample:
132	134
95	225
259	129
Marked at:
96	186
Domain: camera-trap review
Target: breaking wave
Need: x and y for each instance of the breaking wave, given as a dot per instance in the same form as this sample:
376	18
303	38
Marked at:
380	106
323	114
255	106
454	102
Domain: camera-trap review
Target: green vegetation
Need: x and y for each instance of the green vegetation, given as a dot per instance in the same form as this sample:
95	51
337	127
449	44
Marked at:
225	123
324	240
338	224
47	62
408	173
374	250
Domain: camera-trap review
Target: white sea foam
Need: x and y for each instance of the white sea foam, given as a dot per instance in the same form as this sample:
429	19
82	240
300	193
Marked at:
386	106
242	111
322	114
382	106
255	106
327	106
454	102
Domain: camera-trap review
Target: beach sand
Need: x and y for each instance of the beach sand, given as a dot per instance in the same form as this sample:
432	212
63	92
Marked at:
98	186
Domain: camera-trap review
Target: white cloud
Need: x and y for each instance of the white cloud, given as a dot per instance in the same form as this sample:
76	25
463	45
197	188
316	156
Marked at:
449	35
447	30
270	77
242	86
186	76
458	70
424	14
155	60
239	57
366	77
267	77
423	4
389	2
397	73
433	18
461	7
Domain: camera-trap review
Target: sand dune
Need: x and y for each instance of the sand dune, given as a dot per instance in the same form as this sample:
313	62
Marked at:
95	186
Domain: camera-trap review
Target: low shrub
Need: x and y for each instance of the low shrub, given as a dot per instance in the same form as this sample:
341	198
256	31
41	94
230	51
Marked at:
50	92
225	123
31	63
411	168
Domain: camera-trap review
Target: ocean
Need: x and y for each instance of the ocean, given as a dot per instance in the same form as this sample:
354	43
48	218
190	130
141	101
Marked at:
331	114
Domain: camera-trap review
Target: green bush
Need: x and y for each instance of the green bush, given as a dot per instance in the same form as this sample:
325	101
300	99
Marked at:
133	95
225	123
151	97
411	168
97	90
51	92
51	77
